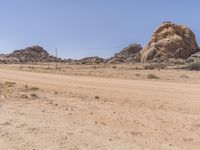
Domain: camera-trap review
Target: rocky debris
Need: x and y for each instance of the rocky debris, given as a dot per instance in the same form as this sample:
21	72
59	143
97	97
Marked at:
1	57
91	60
170	41
127	55
85	61
191	66
155	66
72	61
194	58
6	60
29	54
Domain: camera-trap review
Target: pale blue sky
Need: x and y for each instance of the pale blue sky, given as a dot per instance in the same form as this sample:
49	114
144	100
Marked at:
80	28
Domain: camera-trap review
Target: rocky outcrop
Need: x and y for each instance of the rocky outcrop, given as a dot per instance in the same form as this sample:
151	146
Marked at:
86	61
30	54
127	55
91	60
170	41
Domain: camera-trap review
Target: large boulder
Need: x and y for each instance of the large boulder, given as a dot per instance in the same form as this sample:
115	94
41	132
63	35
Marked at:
170	41
127	55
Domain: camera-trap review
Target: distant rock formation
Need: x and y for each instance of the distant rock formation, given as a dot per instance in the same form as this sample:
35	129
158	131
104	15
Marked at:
29	54
91	60
127	55
170	41
85	61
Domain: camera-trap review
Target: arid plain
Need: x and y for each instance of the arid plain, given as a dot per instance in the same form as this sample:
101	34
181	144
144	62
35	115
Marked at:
98	107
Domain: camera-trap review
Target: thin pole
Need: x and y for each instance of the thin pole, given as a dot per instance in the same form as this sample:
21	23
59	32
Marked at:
56	58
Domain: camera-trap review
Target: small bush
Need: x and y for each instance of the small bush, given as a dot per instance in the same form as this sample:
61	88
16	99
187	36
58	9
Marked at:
154	66
137	74
34	88
152	76
83	63
34	95
114	67
184	76
24	96
97	97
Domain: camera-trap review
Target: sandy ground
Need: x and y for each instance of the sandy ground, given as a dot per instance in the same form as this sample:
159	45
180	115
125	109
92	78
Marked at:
43	111
122	71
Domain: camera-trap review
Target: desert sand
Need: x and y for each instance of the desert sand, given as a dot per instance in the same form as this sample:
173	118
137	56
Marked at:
102	108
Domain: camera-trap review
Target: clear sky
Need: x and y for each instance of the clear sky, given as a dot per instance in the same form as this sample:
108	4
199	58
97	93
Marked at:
80	28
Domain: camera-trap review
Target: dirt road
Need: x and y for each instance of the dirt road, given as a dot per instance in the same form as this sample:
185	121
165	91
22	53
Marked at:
73	112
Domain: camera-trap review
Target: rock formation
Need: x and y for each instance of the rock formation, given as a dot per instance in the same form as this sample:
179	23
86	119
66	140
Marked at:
127	55
170	41
91	60
29	54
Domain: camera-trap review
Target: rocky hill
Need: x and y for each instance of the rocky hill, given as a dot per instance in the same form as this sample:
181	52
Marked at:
29	54
170	41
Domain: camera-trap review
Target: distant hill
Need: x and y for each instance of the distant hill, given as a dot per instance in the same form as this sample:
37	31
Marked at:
29	54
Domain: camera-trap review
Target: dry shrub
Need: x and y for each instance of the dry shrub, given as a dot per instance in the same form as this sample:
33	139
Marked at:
137	74
33	95
23	96
97	97
154	66
9	84
152	76
184	76
34	88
